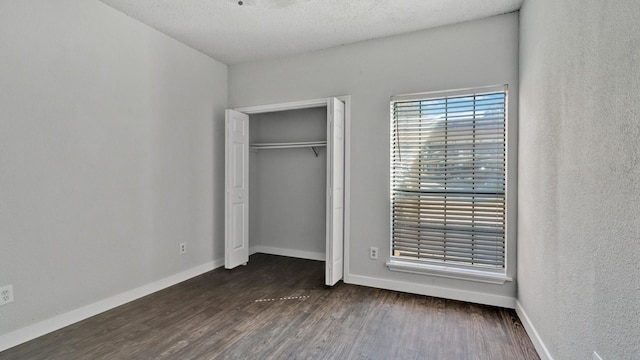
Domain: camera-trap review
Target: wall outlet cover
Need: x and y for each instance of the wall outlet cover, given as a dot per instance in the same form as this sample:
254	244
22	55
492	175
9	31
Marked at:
373	253
6	294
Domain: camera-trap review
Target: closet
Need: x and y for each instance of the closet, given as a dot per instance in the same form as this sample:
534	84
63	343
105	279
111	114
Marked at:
284	183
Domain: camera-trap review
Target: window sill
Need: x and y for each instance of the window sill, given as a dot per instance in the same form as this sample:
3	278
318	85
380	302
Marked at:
447	272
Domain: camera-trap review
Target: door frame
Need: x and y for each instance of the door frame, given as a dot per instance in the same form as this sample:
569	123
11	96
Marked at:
315	103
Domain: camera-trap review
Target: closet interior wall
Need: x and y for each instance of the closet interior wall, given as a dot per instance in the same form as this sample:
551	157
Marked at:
287	187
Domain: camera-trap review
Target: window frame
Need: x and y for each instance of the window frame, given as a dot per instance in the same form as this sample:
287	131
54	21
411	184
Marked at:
454	270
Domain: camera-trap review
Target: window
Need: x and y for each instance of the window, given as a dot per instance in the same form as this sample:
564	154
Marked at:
448	193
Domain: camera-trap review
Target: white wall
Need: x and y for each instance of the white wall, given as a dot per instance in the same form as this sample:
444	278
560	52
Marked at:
470	54
287	193
579	199
109	136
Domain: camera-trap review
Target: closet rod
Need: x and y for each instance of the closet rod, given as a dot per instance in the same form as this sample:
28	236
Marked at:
290	145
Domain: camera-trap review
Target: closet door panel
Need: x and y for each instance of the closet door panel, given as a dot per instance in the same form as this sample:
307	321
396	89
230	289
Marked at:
335	201
236	189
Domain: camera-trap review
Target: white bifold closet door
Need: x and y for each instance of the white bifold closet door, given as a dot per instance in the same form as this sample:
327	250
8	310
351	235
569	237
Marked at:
335	200
237	183
236	197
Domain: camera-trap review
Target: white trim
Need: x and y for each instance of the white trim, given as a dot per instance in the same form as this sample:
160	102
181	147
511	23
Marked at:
302	254
449	93
347	186
436	291
450	272
294	105
543	352
31	332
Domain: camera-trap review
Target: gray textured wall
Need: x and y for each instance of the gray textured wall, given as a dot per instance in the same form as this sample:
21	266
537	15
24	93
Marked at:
579	172
109	136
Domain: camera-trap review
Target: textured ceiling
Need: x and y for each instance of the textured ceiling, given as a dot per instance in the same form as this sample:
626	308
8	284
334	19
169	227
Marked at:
262	29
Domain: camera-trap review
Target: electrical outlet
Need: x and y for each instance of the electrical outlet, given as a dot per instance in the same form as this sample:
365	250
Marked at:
183	248
596	356
373	253
6	294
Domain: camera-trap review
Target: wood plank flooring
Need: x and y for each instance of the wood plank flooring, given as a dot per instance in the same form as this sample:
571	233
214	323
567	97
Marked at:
278	308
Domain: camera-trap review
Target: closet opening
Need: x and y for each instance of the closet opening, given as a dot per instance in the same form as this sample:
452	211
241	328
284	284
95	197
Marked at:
285	183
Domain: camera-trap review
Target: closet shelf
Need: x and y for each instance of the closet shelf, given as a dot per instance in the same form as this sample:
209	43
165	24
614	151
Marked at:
287	145
290	145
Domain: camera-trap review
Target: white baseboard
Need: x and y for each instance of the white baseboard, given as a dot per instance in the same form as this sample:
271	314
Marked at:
310	255
31	332
437	291
543	352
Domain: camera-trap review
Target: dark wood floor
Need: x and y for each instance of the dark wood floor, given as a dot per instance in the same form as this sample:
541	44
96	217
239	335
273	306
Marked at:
278	308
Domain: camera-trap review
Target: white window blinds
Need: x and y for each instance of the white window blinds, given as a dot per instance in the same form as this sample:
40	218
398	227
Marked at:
448	179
